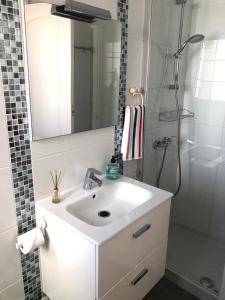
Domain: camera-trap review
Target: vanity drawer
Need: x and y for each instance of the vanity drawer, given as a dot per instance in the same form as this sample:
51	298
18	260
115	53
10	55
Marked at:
142	278
123	252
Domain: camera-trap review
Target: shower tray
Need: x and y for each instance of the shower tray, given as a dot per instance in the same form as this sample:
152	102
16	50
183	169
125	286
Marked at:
171	116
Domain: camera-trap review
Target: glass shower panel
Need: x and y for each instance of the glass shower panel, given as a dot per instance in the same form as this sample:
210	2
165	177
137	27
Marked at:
196	249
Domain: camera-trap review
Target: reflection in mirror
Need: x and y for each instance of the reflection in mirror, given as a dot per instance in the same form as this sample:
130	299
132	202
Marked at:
74	70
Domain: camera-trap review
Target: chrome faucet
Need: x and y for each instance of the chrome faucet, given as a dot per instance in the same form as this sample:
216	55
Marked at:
91	180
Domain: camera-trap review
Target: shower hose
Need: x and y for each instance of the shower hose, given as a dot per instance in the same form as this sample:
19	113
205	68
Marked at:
176	80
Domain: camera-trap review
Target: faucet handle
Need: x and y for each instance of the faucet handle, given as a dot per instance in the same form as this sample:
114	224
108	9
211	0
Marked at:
91	180
93	171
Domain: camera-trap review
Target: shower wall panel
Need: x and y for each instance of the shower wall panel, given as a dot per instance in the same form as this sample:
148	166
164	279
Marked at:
164	30
200	205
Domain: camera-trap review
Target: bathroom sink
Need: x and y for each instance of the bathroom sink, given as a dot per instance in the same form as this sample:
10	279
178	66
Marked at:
102	212
108	203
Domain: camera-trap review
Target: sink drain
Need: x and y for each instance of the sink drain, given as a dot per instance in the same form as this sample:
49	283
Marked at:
207	282
104	213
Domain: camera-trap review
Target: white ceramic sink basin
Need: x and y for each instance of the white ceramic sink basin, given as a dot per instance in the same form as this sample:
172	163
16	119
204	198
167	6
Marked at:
125	199
109	203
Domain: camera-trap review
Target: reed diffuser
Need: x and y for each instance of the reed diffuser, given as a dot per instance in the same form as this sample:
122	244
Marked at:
56	179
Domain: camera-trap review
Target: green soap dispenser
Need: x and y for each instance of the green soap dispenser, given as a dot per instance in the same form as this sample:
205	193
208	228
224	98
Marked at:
112	169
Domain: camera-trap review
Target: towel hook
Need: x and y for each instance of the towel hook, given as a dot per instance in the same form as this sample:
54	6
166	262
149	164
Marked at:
137	91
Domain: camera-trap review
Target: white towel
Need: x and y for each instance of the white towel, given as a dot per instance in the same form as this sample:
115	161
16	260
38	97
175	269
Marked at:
133	132
126	132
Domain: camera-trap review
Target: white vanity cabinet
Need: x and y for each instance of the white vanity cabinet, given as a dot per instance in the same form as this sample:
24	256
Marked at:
121	254
124	267
139	281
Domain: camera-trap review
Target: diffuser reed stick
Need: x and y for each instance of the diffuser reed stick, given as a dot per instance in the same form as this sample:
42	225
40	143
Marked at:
56	180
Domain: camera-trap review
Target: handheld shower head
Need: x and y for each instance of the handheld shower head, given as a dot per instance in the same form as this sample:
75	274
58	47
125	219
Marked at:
197	38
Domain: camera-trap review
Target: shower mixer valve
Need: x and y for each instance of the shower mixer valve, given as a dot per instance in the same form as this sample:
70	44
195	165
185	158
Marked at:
164	142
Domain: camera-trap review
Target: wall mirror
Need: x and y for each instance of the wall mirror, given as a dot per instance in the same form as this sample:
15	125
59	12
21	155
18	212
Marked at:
73	72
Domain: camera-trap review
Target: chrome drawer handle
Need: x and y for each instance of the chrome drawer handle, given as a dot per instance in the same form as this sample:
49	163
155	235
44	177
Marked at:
139	277
141	231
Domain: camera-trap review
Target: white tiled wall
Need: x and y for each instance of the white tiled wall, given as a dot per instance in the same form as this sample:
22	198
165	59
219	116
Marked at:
11	286
136	39
162	43
75	153
203	171
135	45
201	203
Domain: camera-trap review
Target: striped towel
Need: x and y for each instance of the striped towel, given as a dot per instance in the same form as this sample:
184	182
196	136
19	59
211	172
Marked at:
133	132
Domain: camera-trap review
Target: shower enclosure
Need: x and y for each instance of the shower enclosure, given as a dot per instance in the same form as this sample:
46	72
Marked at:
185	118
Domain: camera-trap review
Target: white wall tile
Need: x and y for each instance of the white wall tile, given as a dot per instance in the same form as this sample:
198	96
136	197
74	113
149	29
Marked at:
136	19
160	30
145	63
208	153
220	181
4	149
189	206
207	2
193	66
175	12
209	112
65	143
135	77
207	135
130	168
202	176
10	268
217	226
147	19
157	64
168	129
202	172
8	215
13	292
152	110
74	163
168	180
134	66
150	156
209	19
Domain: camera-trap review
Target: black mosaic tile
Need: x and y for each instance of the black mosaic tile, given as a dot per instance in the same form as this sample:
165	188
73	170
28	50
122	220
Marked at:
12	74
122	14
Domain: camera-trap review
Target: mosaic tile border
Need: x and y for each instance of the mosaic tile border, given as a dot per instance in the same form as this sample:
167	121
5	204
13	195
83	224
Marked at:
13	80
122	15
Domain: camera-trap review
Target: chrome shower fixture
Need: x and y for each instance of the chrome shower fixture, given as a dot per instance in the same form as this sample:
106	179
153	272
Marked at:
181	1
163	143
197	38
